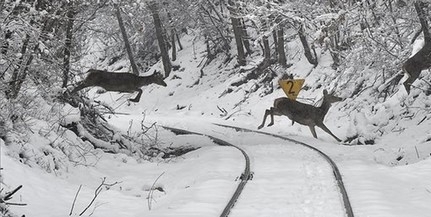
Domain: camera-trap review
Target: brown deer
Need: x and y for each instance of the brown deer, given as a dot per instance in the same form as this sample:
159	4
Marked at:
421	60
415	64
304	114
121	82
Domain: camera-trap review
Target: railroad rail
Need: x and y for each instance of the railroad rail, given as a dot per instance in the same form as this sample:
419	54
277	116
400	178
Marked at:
245	176
336	171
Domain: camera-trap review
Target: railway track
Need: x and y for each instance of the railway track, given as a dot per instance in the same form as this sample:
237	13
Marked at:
244	176
337	175
247	173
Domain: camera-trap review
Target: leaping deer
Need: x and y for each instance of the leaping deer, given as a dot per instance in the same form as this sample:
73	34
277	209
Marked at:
304	114
120	82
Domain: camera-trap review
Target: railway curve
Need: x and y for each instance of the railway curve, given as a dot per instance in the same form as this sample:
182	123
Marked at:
336	172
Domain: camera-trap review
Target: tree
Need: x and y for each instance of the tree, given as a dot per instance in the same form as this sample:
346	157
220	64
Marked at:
311	57
237	31
160	38
68	42
126	40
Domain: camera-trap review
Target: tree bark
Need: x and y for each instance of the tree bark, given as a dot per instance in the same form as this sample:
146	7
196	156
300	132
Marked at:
173	34
236	26
174	47
68	43
126	40
419	5
274	36
178	40
266	48
244	36
312	59
280	47
13	89
160	39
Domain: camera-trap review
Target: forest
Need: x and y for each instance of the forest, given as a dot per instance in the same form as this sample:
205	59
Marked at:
374	54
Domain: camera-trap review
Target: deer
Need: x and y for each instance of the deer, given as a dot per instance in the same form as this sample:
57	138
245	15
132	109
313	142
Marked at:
122	82
415	64
421	60
302	113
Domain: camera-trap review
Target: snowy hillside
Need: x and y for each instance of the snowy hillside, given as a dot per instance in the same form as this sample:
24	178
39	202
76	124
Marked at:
384	157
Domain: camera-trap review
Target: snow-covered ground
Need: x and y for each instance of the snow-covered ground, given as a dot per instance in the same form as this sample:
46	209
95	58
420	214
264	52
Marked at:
388	178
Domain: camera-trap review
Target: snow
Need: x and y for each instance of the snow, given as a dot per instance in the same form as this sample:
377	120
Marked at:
389	178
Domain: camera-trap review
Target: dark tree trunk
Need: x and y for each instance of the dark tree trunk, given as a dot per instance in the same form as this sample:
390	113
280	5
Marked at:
126	40
162	43
274	36
266	48
419	5
244	36
280	47
237	31
207	42
174	47
68	43
238	41
178	41
312	59
173	34
13	89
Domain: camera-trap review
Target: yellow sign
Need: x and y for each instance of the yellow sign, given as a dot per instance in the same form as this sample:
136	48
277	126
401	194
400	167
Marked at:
291	87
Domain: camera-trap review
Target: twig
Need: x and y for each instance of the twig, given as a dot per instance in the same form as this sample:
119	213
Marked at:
74	200
97	192
417	152
150	193
16	204
9	195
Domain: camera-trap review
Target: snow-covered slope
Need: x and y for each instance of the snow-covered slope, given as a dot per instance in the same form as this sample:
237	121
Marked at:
387	177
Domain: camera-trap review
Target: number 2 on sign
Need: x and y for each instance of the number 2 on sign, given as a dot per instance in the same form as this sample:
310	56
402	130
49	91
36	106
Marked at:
290	86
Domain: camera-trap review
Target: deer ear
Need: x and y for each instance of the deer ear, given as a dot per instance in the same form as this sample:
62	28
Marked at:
325	92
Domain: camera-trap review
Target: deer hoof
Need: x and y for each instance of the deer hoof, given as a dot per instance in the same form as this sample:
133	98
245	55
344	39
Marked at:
259	127
270	124
133	100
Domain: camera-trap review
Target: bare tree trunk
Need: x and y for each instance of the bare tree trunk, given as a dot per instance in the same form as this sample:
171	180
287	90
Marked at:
280	47
13	89
236	26
207	43
178	40
419	5
174	47
274	37
162	43
266	48
173	34
68	43
244	36
312	59
126	40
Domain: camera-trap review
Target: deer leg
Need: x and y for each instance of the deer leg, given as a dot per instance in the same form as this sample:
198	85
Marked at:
412	78
264	118
324	128
81	86
138	97
273	111
313	131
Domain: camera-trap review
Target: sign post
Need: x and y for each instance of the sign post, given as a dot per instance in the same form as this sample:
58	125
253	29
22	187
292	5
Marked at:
291	87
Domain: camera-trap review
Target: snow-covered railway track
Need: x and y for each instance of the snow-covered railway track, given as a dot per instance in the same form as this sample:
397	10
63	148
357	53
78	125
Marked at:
334	167
244	176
